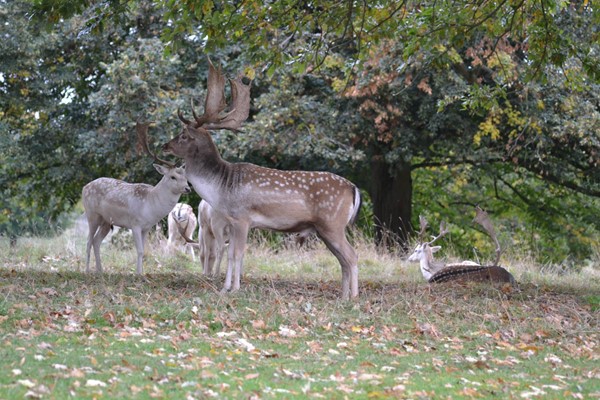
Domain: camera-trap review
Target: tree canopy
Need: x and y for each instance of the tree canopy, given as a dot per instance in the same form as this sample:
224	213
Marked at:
431	107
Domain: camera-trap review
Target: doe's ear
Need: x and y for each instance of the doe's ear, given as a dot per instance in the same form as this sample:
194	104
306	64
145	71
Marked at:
435	248
161	169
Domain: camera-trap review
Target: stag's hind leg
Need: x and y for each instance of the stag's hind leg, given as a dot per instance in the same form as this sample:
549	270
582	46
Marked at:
337	243
93	224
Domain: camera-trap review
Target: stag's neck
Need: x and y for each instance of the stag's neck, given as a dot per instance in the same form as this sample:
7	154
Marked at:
429	266
208	173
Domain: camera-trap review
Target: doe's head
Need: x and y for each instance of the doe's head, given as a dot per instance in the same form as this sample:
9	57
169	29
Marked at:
174	177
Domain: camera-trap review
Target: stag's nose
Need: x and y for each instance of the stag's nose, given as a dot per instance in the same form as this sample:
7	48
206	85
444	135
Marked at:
187	189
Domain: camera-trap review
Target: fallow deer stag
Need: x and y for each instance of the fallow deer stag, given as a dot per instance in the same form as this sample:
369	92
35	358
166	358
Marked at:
464	271
181	219
251	196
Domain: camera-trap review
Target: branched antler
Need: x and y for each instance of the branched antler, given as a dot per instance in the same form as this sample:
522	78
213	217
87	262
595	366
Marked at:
443	232
482	218
142	134
186	238
423	227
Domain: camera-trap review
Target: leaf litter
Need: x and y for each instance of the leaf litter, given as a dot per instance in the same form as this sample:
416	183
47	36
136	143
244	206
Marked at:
111	336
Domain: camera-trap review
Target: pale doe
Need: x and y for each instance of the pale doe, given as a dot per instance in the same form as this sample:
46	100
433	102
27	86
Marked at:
136	206
181	225
251	196
213	235
463	271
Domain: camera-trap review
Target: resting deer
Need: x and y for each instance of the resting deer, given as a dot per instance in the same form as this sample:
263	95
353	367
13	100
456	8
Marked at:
464	271
181	219
251	196
136	206
213	234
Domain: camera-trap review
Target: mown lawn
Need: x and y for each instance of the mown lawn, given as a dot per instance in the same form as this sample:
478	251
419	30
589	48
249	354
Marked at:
65	334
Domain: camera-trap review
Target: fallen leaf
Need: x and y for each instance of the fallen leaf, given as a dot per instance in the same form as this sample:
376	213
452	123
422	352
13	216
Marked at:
258	324
26	382
95	383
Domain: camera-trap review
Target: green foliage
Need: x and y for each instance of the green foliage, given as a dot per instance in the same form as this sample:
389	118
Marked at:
499	101
547	221
305	34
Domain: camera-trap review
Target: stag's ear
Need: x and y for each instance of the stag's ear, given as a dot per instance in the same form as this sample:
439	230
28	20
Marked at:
435	248
161	169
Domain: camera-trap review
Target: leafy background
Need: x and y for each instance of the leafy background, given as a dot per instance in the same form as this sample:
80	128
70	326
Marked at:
430	108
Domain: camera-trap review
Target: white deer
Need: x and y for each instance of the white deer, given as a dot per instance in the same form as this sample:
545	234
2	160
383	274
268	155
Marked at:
463	271
213	235
251	196
136	206
181	221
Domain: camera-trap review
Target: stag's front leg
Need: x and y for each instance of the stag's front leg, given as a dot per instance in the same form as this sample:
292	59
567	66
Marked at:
219	258
237	246
354	279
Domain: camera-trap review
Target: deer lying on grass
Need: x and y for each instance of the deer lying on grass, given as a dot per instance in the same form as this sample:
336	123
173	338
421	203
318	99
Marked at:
251	196
181	219
213	234
464	271
136	206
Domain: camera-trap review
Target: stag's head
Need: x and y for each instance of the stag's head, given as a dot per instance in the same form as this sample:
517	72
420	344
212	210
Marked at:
216	116
423	252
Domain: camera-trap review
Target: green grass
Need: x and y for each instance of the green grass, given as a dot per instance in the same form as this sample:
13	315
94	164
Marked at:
286	334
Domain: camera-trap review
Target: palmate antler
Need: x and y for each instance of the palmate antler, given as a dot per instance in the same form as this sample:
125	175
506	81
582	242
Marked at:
215	104
141	129
482	218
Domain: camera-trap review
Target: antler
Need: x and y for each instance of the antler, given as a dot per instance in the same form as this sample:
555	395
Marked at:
443	232
423	227
142	134
424	224
482	218
187	239
215	96
215	103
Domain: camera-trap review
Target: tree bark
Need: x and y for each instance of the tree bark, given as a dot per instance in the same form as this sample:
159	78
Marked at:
391	193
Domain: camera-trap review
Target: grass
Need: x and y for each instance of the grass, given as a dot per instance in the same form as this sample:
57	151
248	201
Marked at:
286	334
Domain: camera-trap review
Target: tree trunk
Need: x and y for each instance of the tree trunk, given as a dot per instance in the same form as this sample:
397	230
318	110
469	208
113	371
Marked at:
391	193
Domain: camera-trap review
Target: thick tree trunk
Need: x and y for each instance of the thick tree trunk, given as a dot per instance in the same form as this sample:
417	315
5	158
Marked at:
391	193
